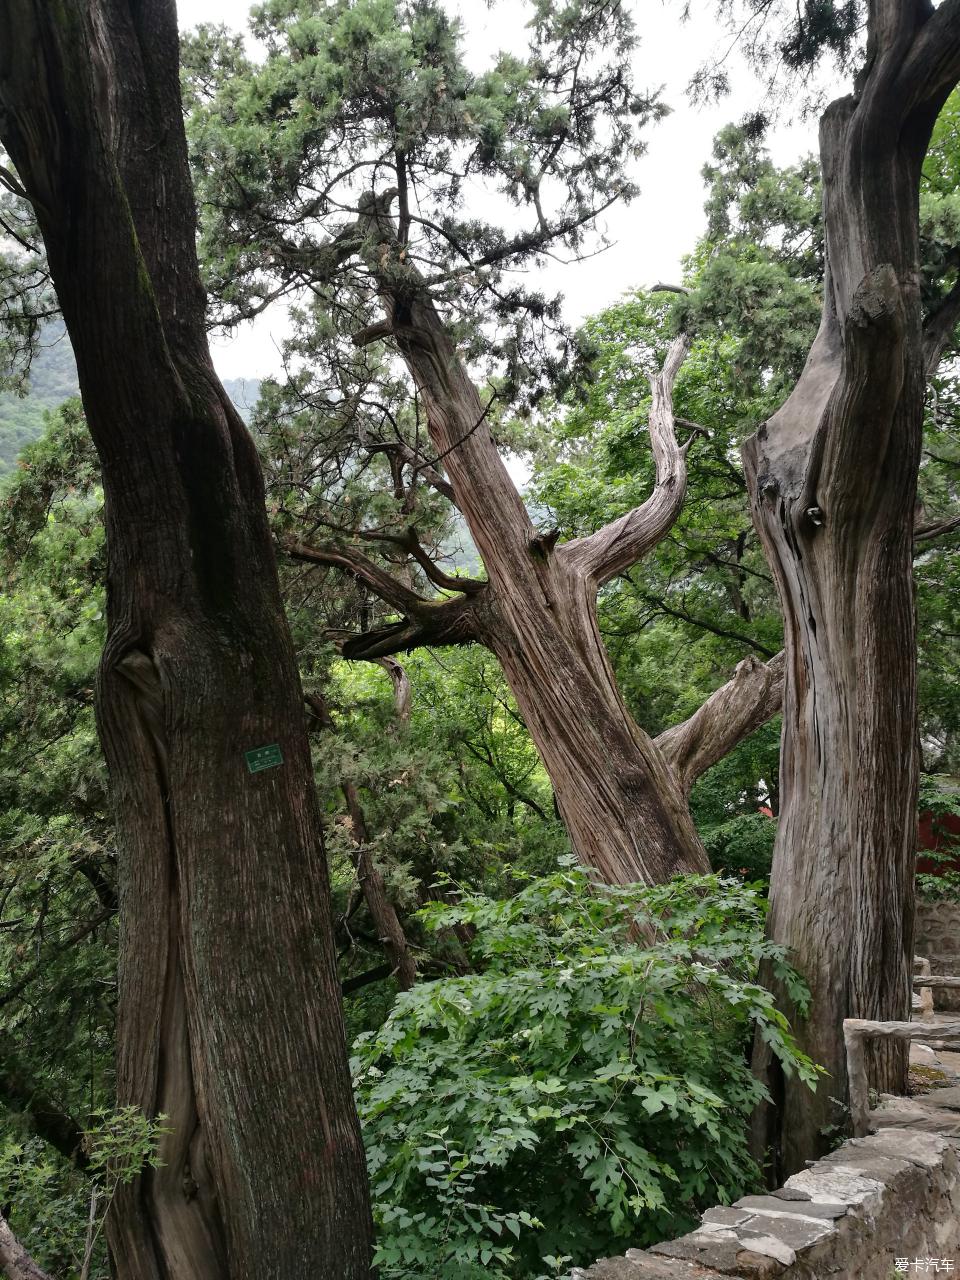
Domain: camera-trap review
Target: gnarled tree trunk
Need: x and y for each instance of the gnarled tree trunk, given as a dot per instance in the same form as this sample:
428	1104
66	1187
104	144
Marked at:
622	798
832	478
229	1017
624	809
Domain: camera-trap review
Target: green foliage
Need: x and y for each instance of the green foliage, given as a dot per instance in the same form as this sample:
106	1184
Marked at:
594	1077
943	886
27	300
940	797
57	1210
47	1204
53	379
366	96
785	36
742	846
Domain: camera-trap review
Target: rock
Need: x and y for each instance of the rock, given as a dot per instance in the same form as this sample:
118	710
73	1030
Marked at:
778	1204
716	1250
722	1216
948	1098
840	1183
893	1194
792	1232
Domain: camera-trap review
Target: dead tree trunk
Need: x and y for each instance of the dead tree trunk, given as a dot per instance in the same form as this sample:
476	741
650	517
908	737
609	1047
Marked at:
621	798
624	810
832	479
229	1016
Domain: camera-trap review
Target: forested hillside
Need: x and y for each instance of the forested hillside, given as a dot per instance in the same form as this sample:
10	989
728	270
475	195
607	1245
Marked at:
53	379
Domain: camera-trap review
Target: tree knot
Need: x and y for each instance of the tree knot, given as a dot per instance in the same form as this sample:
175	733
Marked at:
541	544
877	298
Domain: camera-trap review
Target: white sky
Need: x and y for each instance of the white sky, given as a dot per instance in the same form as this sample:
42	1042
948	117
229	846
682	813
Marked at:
653	233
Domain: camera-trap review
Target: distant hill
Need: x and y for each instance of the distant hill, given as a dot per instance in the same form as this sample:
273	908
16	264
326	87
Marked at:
53	379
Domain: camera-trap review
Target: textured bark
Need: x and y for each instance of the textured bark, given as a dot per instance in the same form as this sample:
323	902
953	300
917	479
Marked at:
16	1261
622	799
832	479
229	1018
623	808
728	716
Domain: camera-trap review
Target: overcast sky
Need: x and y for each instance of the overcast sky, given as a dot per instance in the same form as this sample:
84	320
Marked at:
653	233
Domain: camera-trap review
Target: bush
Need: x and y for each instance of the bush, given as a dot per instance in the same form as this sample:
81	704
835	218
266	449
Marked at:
586	1088
742	846
939	798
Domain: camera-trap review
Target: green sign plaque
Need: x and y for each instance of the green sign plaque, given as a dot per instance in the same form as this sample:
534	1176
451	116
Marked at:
263	758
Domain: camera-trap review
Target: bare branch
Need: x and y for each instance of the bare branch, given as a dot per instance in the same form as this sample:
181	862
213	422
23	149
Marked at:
372	333
15	234
412	543
39	970
620	544
743	704
401	688
526	242
9	180
382	583
360	980
938	328
660	605
382	911
486	757
927	532
446	622
421	466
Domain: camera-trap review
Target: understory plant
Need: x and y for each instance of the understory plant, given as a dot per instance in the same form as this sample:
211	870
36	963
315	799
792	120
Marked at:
586	1088
940	800
57	1207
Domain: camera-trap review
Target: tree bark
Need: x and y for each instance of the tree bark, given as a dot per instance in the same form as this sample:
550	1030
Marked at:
16	1261
732	713
832	480
229	1017
623	808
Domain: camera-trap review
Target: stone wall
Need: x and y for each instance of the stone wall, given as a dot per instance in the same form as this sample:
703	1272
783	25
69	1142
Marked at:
894	1195
938	938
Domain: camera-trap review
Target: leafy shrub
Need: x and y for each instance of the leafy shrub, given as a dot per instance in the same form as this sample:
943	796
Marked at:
46	1202
58	1211
742	846
587	1087
939	797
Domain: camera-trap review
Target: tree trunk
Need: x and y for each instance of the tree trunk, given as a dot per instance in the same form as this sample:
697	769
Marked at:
624	810
17	1263
623	807
229	1018
832	480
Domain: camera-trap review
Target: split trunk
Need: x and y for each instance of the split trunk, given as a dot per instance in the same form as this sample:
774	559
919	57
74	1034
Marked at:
229	1018
832	479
